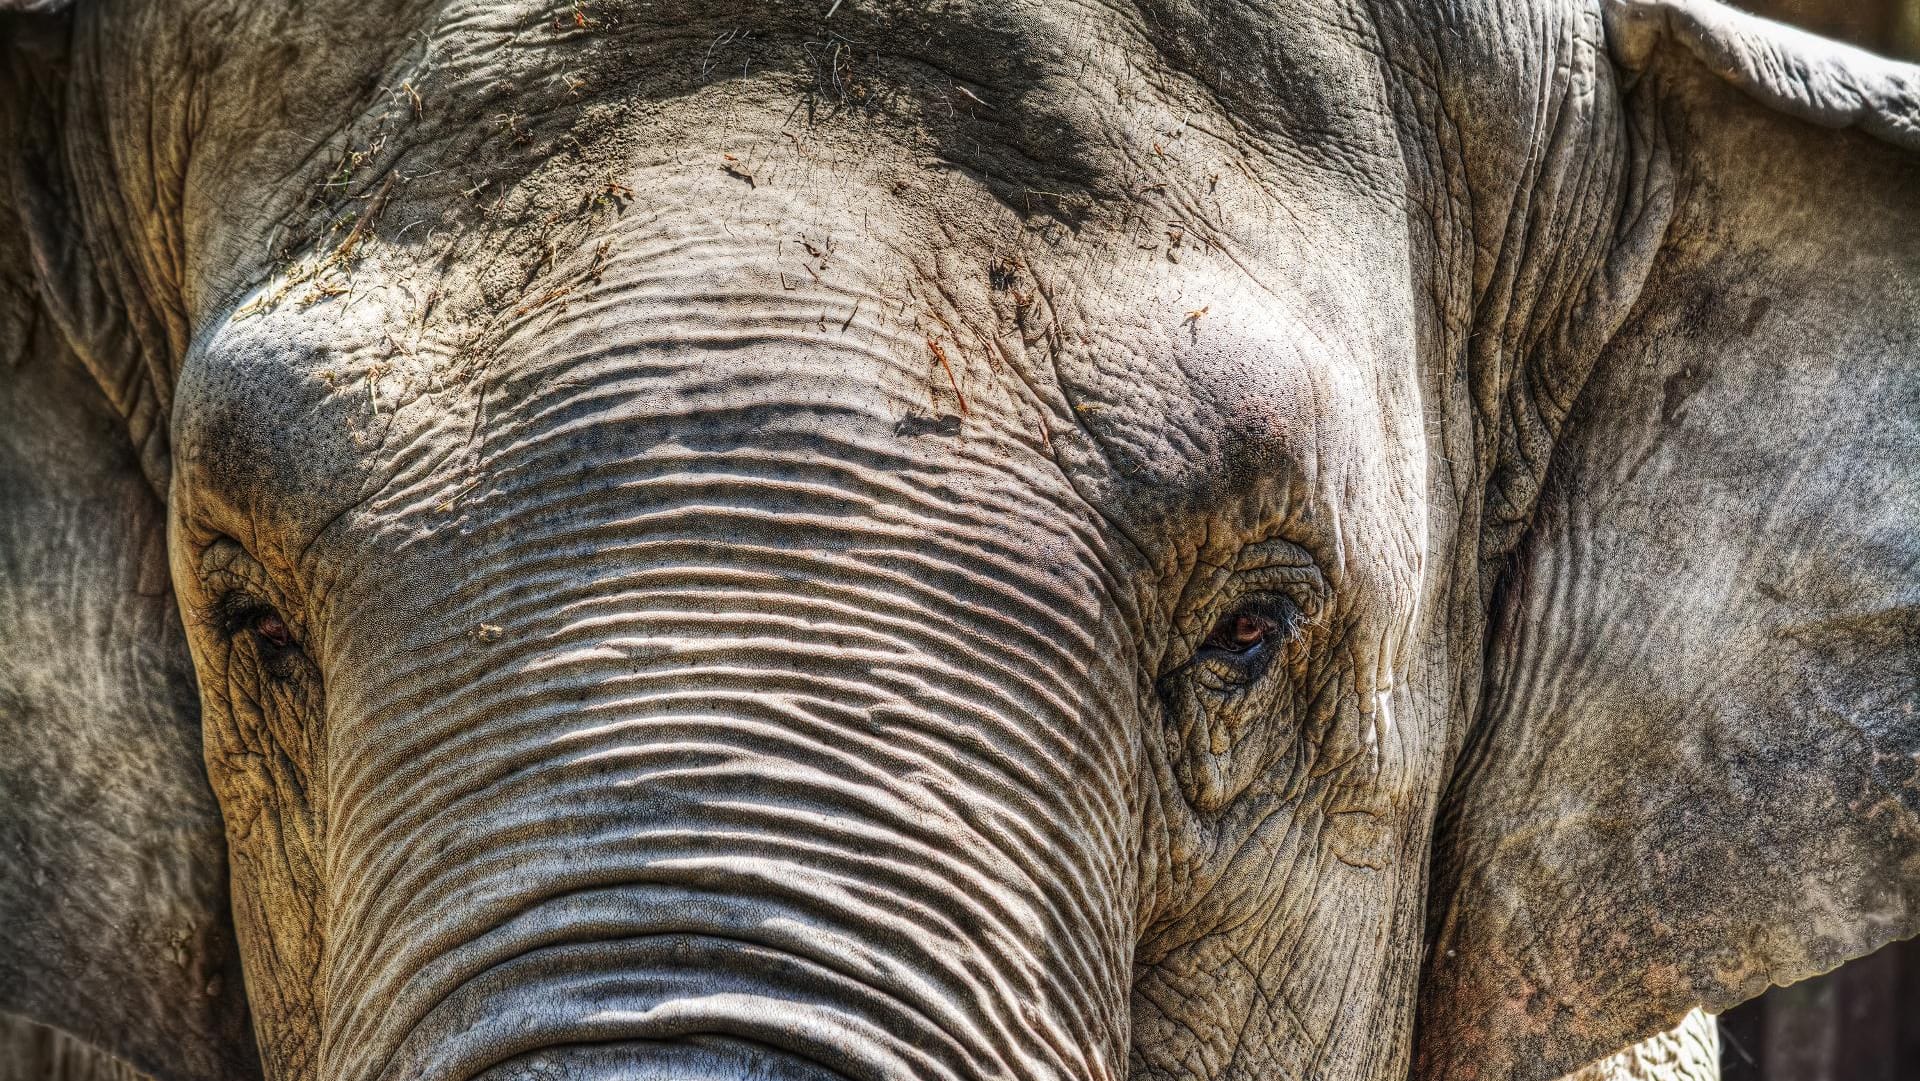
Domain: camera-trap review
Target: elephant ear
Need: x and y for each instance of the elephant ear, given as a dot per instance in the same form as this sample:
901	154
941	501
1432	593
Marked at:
1696	768
114	922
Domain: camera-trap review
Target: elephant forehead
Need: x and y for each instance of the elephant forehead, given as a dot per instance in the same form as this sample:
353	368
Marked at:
1309	69
1075	111
1195	301
1179	389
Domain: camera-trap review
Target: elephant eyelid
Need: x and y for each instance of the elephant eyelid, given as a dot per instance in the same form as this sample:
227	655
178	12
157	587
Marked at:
270	627
226	615
235	613
237	584
1249	632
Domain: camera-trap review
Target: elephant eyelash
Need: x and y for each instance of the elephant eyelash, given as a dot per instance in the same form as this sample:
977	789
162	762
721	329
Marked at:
229	613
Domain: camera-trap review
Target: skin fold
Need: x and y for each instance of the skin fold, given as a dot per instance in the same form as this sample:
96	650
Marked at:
985	540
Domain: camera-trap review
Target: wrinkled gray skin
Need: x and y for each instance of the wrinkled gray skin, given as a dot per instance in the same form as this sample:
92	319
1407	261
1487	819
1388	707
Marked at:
997	539
1689	1052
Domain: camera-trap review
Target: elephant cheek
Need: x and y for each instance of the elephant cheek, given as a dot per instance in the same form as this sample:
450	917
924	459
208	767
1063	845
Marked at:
266	791
1218	752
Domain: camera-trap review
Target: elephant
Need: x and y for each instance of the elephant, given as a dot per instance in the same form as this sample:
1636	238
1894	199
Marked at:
1337	539
1690	1052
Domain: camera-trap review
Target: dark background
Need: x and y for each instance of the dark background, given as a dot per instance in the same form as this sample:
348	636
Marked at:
1861	1022
1885	26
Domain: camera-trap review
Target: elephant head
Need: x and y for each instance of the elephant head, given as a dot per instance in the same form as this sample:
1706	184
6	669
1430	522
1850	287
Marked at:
867	540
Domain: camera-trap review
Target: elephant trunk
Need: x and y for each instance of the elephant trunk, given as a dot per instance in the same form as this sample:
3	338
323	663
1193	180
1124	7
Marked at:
748	754
694	1059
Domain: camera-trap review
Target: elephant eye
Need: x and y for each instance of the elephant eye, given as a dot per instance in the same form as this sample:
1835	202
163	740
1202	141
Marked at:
238	613
272	629
1248	640
1241	632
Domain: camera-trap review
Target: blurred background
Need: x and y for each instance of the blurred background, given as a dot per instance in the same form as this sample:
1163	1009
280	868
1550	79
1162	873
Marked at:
1861	1022
1885	26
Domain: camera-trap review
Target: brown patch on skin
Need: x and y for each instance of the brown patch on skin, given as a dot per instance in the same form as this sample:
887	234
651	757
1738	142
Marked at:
732	167
940	354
